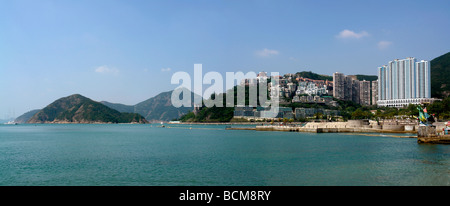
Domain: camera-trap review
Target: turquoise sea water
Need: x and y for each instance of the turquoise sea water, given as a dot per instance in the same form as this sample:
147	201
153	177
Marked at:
111	154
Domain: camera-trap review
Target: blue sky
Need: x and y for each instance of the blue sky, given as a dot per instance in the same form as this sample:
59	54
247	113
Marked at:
127	51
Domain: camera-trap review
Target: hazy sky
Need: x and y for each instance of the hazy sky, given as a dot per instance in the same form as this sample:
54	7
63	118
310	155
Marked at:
127	51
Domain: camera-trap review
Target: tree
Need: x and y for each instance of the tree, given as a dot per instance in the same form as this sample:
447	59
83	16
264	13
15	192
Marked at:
357	114
378	113
436	108
318	115
411	110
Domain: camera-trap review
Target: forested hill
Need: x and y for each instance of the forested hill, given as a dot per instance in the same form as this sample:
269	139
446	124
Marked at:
79	109
440	76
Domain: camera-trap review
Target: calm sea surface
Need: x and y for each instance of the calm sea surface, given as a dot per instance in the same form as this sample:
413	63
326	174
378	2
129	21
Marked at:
90	154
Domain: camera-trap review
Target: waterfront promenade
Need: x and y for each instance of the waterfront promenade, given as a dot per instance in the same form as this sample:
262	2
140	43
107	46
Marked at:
351	126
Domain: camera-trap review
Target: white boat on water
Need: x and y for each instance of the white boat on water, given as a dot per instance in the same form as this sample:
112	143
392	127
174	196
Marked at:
11	122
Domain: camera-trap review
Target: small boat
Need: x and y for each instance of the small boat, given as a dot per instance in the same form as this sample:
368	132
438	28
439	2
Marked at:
11	122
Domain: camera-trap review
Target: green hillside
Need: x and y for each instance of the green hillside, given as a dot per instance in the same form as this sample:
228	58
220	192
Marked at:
218	114
370	78
157	108
312	75
79	109
119	107
160	107
26	116
440	76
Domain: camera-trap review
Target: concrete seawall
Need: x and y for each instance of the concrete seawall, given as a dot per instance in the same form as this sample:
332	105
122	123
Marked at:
423	134
322	130
393	127
444	139
360	126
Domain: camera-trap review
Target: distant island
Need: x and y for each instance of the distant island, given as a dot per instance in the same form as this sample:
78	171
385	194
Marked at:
79	109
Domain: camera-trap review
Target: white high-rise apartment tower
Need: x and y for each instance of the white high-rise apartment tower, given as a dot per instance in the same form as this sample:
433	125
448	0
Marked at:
404	82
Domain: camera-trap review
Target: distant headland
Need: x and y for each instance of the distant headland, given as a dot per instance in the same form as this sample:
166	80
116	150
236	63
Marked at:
79	109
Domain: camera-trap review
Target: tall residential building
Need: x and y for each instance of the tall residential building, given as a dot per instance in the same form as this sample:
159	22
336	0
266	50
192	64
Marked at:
383	87
423	88
374	92
404	82
338	85
355	91
409	74
349	88
364	93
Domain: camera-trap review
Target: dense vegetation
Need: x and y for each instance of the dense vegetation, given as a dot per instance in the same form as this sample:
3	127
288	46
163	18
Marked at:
312	75
440	76
220	114
362	77
79	109
440	109
210	114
